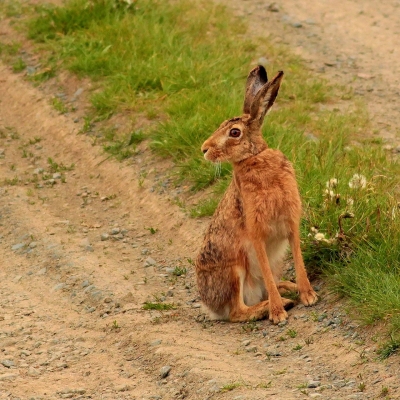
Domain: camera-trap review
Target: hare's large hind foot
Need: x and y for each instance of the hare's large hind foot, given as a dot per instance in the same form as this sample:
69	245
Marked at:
278	314
286	286
243	313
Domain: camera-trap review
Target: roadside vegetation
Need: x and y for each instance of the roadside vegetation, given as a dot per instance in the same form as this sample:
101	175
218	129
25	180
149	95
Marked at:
184	67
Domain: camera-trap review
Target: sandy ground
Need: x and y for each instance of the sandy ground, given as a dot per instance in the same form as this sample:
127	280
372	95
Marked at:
79	259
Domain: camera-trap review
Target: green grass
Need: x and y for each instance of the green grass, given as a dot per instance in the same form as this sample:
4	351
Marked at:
157	306
183	67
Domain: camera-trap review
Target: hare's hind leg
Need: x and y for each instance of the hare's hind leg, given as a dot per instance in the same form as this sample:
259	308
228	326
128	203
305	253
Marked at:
307	295
239	312
286	286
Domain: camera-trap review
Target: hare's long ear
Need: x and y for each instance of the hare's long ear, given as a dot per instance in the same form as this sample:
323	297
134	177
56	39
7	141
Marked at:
265	98
255	81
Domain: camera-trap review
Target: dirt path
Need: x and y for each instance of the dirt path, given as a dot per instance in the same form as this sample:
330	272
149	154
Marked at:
79	261
349	42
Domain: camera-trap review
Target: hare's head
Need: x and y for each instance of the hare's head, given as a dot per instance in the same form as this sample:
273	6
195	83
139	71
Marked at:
240	138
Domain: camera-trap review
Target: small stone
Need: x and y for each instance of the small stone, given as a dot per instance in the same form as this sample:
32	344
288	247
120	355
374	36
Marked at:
108	300
25	353
246	343
123	388
115	231
57	175
38	171
32	245
8	377
59	286
7	363
155	342
145	251
17	246
296	24
1	152
42	271
313	384
251	349
104	237
85	284
283	323
164	371
196	305
273	7
150	262
78	92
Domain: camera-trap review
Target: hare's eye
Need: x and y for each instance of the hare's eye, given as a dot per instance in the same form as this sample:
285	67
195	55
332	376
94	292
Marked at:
234	132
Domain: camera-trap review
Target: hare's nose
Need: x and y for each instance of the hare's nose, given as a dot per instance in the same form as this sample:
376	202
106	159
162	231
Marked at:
204	151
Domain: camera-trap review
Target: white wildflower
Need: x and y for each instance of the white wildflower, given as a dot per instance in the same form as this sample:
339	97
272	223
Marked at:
332	183
314	229
330	193
319	236
358	181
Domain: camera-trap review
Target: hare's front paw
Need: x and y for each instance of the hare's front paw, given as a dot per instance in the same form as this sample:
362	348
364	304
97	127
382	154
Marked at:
277	314
308	297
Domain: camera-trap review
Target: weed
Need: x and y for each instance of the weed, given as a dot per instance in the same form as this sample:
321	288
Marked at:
152	230
264	385
297	347
250	326
87	125
59	105
179	271
55	167
11	182
389	348
361	386
13	167
309	340
204	208
291	333
230	386
115	325
157	306
35	140
18	65
384	391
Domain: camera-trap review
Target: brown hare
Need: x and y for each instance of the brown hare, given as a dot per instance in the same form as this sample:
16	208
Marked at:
240	262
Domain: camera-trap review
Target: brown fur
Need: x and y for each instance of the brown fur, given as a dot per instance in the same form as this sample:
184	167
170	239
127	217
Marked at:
239	265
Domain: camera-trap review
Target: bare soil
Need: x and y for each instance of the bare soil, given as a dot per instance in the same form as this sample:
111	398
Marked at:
72	323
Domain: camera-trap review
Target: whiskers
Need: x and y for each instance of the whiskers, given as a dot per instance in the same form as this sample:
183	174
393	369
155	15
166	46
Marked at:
218	169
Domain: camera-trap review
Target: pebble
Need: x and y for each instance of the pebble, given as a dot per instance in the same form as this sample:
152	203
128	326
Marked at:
115	231
273	7
38	171
7	363
32	245
104	236
297	24
246	342
57	175
150	262
164	371
59	286
313	384
155	342
17	246
8	377
85	284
